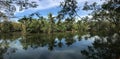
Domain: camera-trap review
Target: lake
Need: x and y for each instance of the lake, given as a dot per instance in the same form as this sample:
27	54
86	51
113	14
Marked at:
59	46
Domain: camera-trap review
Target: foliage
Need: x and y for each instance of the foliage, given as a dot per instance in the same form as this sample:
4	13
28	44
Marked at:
6	27
8	7
105	18
105	13
69	8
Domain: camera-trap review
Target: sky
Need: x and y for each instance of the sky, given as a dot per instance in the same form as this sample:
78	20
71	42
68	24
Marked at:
52	6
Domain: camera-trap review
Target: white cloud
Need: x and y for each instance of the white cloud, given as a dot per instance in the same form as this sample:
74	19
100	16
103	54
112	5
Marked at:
46	4
43	4
90	1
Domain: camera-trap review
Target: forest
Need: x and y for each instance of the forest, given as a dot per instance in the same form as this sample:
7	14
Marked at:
104	19
66	35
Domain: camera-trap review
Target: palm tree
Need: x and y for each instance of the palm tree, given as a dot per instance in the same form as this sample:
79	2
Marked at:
51	22
24	24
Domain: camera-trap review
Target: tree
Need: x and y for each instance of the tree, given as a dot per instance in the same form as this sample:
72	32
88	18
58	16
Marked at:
112	8
69	8
8	7
51	22
107	12
24	23
6	27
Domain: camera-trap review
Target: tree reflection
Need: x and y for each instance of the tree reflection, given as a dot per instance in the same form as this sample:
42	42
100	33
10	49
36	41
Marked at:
5	40
11	43
40	40
69	39
104	48
3	48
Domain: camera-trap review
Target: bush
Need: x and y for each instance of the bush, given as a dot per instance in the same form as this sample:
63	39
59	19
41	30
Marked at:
6	27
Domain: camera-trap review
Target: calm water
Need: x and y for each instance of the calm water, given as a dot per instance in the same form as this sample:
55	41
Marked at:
59	46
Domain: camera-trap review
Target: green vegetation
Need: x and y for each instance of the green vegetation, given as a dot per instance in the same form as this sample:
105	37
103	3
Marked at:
61	32
7	27
41	25
104	19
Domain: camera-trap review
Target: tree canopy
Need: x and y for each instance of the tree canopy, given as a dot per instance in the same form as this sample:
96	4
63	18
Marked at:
8	7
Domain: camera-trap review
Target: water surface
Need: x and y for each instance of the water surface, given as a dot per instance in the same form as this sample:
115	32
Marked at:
58	46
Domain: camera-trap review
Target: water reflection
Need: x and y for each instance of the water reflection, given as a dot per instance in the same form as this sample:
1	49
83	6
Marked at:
58	46
104	48
51	41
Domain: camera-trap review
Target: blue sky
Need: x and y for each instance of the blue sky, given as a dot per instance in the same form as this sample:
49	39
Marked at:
52	6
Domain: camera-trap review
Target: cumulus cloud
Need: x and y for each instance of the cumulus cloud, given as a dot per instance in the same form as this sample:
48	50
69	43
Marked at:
46	4
42	4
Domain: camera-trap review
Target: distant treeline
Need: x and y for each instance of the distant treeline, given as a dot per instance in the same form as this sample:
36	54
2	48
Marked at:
105	18
50	25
